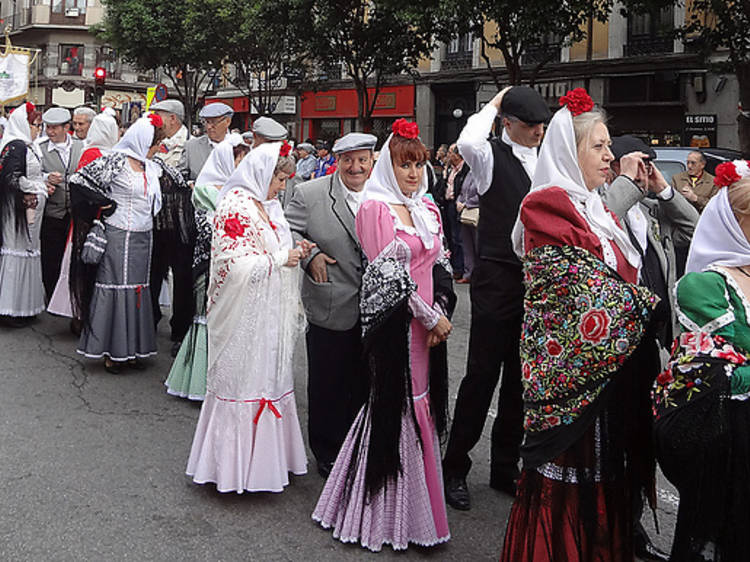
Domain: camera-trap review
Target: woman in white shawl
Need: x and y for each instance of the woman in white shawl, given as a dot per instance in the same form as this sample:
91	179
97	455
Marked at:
23	194
187	377
102	136
248	436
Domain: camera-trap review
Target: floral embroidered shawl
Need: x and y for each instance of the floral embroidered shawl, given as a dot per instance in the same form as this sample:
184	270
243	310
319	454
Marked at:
581	323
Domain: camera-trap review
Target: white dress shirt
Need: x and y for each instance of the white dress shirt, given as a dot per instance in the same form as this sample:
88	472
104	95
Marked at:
353	199
62	148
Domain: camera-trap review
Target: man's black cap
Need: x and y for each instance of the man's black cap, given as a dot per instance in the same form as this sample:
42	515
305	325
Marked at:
526	104
628	143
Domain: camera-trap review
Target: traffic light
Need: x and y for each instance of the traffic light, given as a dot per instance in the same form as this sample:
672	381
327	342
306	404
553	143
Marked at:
100	78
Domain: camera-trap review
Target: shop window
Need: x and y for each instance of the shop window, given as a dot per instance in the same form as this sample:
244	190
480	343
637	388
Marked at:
650	33
71	60
71	8
657	87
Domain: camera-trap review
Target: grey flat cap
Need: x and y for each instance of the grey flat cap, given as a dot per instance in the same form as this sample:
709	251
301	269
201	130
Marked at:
269	129
215	110
355	141
306	146
56	116
170	106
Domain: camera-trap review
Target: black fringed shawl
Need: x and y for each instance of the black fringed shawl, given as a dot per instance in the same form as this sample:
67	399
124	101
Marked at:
177	213
12	167
385	317
89	192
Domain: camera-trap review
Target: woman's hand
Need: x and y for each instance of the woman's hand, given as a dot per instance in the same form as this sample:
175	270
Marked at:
305	246
294	256
440	332
30	201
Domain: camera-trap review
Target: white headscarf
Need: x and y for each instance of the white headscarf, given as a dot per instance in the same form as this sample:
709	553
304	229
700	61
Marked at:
136	143
220	163
718	237
17	127
383	186
254	174
557	166
103	133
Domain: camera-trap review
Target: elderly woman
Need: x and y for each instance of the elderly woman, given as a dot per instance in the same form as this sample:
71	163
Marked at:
248	436
112	293
702	425
587	432
187	377
23	194
386	484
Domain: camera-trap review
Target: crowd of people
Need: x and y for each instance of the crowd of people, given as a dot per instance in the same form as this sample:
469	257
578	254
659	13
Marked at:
572	244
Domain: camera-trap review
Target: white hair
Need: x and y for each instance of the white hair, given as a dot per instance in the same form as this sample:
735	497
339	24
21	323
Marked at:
87	111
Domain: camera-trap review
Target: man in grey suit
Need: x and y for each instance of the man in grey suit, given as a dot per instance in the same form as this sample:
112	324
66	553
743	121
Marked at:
216	117
322	211
60	154
658	218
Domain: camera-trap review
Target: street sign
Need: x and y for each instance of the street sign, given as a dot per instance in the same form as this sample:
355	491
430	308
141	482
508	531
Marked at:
161	92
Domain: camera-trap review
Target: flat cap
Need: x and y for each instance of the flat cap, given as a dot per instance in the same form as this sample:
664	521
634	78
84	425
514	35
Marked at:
170	106
355	141
269	129
217	109
323	145
306	146
56	116
526	104
247	135
626	144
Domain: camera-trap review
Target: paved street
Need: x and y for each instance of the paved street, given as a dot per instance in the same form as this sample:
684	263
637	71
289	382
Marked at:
93	469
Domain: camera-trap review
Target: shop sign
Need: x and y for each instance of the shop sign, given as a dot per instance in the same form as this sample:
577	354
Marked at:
325	103
699	130
553	90
386	101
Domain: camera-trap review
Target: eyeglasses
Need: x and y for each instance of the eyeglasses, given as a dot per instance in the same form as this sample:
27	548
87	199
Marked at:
36	125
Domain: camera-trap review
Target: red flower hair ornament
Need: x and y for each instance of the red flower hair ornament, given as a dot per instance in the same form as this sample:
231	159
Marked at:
577	101
29	108
402	128
156	119
728	173
285	149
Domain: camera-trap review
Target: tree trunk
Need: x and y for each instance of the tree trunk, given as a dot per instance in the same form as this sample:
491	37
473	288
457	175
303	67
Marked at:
742	70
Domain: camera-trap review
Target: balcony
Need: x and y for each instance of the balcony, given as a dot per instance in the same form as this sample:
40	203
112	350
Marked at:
461	60
649	45
41	15
542	53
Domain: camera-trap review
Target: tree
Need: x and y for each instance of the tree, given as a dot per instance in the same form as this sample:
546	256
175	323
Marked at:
154	34
262	40
371	39
514	27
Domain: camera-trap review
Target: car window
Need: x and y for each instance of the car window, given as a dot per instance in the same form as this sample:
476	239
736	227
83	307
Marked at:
668	168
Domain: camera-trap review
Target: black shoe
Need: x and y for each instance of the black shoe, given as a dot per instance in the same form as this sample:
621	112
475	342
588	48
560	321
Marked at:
114	367
644	549
136	364
457	493
176	348
325	468
505	485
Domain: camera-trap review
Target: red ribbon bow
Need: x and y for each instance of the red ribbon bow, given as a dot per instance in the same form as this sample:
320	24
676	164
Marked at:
263	403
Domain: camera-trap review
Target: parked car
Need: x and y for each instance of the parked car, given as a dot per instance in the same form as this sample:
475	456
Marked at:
672	160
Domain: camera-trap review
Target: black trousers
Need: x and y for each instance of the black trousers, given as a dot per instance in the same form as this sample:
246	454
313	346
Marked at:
53	237
496	315
336	387
452	230
170	251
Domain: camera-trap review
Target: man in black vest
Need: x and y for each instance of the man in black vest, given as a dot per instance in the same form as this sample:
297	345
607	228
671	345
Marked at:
503	169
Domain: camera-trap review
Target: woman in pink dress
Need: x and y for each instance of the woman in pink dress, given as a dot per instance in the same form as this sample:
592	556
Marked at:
386	485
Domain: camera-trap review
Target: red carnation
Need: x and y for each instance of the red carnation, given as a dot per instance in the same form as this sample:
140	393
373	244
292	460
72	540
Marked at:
726	174
594	326
285	149
156	119
29	107
233	228
402	128
554	348
577	101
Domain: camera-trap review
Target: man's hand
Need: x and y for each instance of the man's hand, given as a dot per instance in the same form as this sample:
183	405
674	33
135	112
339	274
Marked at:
656	181
460	206
50	188
305	246
55	178
318	268
498	99
688	193
440	332
633	166
30	201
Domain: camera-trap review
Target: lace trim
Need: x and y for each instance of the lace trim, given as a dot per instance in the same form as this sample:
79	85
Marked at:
120	287
20	253
398	225
731	282
21	313
199	320
571	475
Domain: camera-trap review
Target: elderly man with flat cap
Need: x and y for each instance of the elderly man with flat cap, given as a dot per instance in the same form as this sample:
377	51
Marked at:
60	154
322	211
216	117
503	168
307	161
172	113
266	129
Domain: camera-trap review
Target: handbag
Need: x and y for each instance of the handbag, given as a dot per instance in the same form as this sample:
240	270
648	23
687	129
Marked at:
95	244
469	217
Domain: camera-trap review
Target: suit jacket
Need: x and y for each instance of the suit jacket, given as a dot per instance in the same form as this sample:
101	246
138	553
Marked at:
58	204
196	152
318	212
671	224
704	187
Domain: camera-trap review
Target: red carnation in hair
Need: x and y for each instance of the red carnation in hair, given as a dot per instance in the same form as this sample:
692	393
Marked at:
331	170
156	119
285	149
30	107
726	174
577	101
402	128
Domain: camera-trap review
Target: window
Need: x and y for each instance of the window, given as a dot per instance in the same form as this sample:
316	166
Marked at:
69	7
461	44
106	57
71	59
651	32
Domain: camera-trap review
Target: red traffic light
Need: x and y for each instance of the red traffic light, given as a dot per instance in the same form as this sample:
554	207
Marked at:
100	76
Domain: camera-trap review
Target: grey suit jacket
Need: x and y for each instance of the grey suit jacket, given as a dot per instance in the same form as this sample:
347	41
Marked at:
196	152
671	224
58	204
318	212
